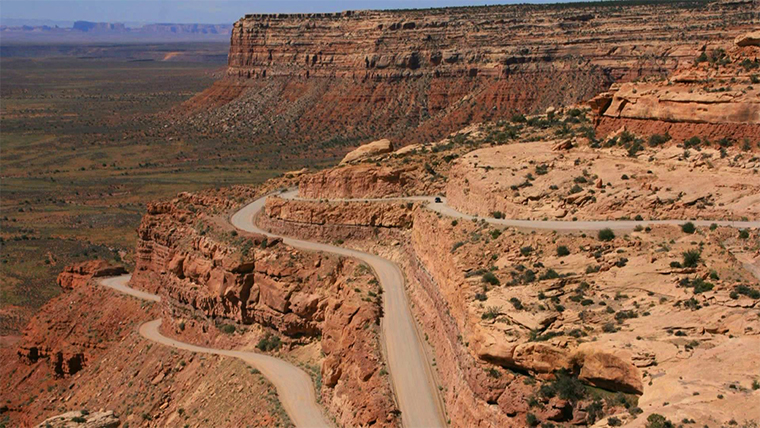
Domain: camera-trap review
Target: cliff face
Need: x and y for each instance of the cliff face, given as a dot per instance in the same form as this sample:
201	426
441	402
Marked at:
188	253
414	76
460	42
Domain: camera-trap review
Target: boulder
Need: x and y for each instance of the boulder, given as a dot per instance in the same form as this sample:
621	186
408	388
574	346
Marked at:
600	102
748	39
563	145
540	358
374	148
610	372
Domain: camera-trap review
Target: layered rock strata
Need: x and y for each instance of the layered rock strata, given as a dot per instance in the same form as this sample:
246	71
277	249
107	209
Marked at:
716	96
327	81
197	262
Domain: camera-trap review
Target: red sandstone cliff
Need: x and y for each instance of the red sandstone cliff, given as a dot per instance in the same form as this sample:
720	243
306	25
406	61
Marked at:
414	76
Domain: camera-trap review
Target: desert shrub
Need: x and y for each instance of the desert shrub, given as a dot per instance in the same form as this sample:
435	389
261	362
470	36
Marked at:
635	148
526	250
688	228
481	297
657	139
491	313
614	422
744	234
227	328
658	421
490	278
270	342
497	214
594	411
606	235
564	386
562	251
516	303
609	327
531	420
691	258
626	315
675	264
747	291
692	142
700	286
456	245
549	274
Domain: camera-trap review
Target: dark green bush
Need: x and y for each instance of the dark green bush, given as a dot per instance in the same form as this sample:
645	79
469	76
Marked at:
658	421
606	235
691	258
657	139
270	342
490	278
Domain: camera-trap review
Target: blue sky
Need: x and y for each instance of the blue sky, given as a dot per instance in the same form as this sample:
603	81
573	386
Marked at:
197	11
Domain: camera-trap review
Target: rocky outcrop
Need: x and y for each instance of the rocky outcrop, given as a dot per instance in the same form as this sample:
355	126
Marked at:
82	419
748	39
611	372
374	148
714	97
356	181
80	274
368	214
65	339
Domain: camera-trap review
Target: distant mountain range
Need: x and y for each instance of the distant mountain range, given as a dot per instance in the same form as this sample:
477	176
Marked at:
86	31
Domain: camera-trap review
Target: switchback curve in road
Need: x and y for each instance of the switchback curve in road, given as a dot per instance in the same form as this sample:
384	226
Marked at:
294	387
411	374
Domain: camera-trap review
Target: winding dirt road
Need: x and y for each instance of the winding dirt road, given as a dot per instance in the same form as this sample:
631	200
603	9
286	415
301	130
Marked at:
557	225
411	374
294	387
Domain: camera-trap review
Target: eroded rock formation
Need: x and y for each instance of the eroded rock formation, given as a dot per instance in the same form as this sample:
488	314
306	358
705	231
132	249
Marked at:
715	96
81	273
